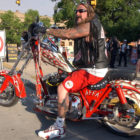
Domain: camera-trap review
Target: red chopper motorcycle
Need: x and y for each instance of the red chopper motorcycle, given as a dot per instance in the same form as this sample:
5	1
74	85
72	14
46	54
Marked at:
115	100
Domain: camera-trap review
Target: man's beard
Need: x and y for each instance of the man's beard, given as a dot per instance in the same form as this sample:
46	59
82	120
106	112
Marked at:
88	19
77	18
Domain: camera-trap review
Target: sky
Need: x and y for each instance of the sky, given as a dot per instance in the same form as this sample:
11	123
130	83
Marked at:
44	7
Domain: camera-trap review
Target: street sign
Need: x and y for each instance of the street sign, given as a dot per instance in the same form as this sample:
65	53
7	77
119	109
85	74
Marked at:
12	52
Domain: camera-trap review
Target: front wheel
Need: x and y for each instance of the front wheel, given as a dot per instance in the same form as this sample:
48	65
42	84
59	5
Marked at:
8	97
125	124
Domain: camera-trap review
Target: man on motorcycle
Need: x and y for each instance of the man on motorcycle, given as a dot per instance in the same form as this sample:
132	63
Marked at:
89	58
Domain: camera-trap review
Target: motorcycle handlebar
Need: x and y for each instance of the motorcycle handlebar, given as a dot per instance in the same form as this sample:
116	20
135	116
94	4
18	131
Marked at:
33	31
36	28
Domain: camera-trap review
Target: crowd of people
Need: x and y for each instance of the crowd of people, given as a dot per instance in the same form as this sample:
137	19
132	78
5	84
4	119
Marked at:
118	52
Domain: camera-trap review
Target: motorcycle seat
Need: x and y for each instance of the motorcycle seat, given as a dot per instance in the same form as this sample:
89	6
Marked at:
113	75
121	75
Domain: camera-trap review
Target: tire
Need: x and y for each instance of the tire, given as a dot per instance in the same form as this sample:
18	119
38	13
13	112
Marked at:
8	97
124	126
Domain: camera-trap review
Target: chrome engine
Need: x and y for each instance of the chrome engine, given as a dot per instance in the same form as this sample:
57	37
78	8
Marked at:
75	107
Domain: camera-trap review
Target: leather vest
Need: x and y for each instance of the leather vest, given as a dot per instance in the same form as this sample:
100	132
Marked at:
91	55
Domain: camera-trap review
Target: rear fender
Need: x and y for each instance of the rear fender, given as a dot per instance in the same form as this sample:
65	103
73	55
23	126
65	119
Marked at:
16	81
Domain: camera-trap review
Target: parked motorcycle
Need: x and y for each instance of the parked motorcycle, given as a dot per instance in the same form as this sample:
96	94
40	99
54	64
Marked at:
115	100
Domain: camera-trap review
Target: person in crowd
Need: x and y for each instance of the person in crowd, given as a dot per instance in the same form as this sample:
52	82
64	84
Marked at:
89	58
138	56
108	43
123	53
129	50
113	51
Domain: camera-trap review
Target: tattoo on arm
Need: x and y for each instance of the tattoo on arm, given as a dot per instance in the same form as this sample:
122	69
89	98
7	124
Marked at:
72	33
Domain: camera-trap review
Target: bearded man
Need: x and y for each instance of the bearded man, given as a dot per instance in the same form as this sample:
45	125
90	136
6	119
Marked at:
89	58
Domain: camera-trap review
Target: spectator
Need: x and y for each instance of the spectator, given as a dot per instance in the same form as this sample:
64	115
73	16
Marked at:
138	61
108	42
123	53
113	51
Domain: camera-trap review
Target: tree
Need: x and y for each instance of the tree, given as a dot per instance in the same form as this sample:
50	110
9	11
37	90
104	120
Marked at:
12	26
46	21
120	17
30	17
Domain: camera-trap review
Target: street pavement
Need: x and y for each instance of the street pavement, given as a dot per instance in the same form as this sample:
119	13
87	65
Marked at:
21	122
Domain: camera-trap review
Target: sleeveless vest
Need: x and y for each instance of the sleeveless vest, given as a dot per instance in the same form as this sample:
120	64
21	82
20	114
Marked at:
91	55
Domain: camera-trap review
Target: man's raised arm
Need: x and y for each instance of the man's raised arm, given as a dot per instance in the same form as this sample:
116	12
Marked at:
72	33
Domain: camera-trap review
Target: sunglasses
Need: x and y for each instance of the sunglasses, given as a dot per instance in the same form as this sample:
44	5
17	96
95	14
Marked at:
80	11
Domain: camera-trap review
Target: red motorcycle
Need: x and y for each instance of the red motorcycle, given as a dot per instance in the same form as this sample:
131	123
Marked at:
115	100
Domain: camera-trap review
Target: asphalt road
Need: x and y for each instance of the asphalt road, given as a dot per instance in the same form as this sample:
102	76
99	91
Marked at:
21	122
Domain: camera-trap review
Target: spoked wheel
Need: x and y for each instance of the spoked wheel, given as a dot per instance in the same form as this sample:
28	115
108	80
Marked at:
8	97
124	123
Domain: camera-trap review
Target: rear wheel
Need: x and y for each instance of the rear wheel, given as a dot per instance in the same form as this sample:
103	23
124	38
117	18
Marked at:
123	123
8	97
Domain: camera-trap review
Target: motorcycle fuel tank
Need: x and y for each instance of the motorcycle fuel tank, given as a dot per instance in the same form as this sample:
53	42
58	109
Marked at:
50	54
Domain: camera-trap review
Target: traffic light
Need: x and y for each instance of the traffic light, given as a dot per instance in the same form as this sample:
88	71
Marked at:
93	3
18	2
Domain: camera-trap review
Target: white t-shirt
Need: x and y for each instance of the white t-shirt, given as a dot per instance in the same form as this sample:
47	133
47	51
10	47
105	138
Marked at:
97	72
123	48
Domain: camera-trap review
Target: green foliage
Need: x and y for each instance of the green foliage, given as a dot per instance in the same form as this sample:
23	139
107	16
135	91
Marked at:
46	21
12	26
30	17
120	18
